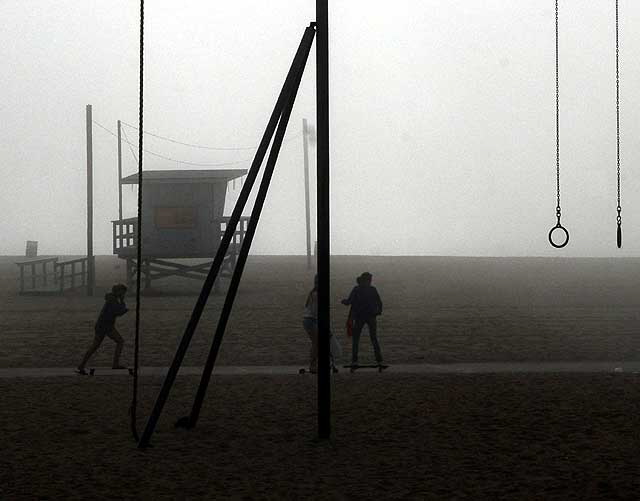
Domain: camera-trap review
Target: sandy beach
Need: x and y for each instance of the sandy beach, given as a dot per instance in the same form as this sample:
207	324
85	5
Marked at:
436	310
395	436
440	437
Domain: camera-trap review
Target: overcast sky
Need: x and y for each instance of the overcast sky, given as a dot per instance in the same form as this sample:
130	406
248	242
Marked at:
442	118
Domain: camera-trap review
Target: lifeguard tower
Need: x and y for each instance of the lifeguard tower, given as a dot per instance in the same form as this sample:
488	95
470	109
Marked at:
182	218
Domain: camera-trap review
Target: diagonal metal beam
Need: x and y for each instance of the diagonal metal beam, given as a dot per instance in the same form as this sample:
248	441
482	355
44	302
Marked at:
224	244
191	420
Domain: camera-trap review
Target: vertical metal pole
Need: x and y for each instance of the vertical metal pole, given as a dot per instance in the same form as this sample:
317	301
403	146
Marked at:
305	147
119	170
324	265
90	260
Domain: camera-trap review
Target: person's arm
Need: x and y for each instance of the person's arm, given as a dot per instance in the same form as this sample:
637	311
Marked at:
378	302
120	308
349	300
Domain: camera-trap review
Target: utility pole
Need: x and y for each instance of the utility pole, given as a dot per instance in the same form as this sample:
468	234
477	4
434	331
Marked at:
90	258
323	232
305	147
119	170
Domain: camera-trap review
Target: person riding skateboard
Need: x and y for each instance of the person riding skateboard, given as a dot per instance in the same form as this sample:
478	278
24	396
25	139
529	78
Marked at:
114	307
366	305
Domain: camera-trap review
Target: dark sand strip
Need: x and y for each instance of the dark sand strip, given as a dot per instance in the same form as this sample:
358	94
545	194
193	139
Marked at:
399	436
467	368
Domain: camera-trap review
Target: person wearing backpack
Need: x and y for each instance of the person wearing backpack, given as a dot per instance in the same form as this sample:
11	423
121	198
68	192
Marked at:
366	305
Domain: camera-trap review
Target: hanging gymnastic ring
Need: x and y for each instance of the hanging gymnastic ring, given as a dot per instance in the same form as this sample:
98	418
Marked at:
566	234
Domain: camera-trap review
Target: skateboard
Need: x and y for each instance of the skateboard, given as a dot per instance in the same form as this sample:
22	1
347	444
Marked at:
353	368
307	371
105	370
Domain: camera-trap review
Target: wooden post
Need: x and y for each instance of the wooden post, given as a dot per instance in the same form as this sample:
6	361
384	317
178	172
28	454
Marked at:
73	275
84	272
119	170
33	276
44	273
90	260
323	233
305	148
21	278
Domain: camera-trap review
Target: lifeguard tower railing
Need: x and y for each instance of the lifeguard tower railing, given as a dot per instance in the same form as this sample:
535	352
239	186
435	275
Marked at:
153	267
125	234
50	275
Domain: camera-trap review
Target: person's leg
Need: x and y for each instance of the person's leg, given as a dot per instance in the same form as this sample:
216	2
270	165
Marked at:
373	333
334	351
355	340
312	330
97	341
115	335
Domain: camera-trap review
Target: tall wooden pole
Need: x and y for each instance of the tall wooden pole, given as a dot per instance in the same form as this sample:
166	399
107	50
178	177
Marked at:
90	258
323	233
119	170
305	147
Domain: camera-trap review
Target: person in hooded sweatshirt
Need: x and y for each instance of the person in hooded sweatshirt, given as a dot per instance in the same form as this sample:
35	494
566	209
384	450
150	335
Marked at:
114	307
366	305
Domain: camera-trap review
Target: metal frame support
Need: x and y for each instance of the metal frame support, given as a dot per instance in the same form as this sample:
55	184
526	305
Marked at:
293	75
190	421
323	215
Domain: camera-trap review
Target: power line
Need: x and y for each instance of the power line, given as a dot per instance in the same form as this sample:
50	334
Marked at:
191	145
129	144
184	162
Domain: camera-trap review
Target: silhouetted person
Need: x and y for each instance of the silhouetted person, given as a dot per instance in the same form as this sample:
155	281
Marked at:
114	307
310	324
366	305
349	324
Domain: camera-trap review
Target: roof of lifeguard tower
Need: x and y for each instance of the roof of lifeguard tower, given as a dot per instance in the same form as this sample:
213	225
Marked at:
185	176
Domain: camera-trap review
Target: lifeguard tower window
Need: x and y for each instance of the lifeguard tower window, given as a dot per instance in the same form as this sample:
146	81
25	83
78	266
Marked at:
175	217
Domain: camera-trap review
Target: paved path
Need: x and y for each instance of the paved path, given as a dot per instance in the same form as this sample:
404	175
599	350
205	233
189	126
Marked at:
462	368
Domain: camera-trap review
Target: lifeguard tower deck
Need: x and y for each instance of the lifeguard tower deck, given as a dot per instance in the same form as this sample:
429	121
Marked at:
182	218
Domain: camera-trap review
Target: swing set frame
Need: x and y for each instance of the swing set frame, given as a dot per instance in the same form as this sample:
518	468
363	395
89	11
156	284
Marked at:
275	131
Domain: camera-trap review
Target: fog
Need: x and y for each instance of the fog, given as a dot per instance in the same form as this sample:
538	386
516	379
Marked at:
442	119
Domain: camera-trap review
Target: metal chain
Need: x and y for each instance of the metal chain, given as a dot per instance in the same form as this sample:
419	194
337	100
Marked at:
557	122
136	345
558	228
619	208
